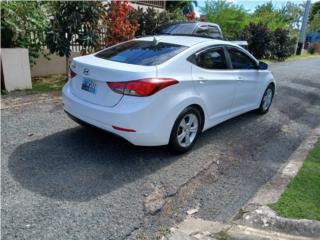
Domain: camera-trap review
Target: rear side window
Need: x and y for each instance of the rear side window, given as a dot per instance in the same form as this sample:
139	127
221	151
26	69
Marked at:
240	60
209	31
212	59
141	52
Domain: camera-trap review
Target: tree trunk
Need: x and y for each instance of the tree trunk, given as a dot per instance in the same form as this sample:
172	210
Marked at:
67	67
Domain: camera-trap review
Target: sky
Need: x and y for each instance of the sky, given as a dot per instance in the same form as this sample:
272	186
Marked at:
250	5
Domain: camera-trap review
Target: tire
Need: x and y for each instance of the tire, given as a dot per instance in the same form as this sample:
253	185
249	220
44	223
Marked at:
186	130
266	100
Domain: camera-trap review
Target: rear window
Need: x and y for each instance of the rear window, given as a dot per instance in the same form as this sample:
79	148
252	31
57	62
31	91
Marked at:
141	52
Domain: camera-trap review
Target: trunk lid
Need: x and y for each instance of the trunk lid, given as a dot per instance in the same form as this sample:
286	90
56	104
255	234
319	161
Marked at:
93	73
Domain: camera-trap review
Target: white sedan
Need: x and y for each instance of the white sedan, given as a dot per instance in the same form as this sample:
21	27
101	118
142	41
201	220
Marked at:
167	89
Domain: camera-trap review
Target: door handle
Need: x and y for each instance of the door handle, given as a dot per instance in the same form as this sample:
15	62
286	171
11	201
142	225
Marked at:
203	81
240	78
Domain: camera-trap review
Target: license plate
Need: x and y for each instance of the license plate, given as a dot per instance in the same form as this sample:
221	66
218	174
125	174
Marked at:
88	85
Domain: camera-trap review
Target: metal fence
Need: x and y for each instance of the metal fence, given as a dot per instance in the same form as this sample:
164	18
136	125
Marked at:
40	37
151	3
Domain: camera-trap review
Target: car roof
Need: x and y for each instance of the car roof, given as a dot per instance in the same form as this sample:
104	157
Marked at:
183	40
196	23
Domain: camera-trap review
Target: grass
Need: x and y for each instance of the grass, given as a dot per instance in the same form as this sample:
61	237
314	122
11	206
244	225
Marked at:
44	84
303	56
292	57
48	83
162	232
301	199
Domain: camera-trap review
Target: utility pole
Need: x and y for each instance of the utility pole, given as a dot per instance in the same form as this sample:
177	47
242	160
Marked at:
303	27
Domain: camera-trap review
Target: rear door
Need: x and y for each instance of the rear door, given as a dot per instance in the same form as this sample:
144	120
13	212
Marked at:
245	70
214	82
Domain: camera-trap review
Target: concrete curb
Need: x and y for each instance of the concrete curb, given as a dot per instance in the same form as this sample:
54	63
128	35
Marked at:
256	220
257	214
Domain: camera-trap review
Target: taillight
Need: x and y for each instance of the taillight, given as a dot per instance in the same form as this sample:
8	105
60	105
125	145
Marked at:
141	88
71	73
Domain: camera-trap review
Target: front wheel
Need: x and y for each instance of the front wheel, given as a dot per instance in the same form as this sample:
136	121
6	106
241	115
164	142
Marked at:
266	100
186	130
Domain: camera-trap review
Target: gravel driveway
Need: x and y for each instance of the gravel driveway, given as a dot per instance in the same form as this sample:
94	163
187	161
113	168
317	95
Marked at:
62	181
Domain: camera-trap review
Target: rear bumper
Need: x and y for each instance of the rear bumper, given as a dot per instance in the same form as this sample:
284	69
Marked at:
143	119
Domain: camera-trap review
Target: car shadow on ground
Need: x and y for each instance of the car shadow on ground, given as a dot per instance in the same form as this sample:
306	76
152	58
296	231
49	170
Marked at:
79	164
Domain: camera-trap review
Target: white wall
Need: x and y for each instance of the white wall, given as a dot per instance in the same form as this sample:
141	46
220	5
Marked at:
56	65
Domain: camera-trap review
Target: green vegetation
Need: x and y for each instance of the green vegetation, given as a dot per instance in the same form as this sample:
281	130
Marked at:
304	56
314	18
47	83
50	83
162	232
73	19
231	18
22	26
301	198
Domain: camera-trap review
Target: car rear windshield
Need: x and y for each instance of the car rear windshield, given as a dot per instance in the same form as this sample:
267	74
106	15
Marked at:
147	53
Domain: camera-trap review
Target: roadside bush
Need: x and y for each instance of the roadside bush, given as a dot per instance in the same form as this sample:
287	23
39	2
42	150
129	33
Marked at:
120	23
151	22
314	48
282	45
259	39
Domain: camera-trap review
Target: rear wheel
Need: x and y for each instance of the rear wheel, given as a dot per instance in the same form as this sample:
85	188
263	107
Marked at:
186	130
266	99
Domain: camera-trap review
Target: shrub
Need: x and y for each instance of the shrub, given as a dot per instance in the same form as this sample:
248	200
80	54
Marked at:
282	45
121	26
259	39
151	22
314	48
191	16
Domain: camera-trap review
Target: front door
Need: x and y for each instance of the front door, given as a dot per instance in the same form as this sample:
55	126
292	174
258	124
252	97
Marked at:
247	89
214	82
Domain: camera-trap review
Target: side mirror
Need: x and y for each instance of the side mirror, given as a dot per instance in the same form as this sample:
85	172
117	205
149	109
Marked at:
262	66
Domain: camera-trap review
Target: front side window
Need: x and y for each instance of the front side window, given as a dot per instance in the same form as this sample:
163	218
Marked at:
212	59
240	60
145	53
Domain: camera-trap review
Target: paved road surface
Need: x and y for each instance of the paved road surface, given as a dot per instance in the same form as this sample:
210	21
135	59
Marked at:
62	181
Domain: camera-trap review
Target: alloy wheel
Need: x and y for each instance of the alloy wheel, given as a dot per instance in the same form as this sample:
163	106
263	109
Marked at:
187	130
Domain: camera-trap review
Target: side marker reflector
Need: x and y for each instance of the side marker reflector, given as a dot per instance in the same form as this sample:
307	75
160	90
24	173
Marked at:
123	129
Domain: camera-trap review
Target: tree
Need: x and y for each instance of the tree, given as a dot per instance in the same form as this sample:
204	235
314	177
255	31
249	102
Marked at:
73	19
292	14
268	15
314	18
120	23
183	6
314	24
22	25
231	18
315	10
